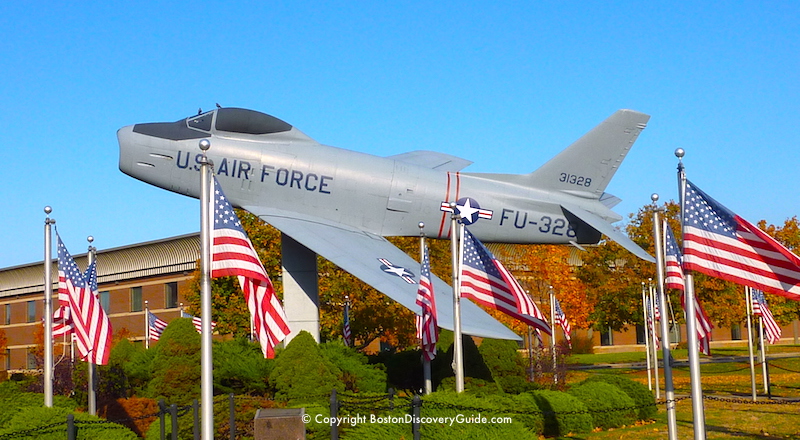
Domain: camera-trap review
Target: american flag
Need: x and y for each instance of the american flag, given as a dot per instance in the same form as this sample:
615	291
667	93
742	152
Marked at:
346	333
155	326
426	321
561	319
486	281
719	243
760	308
702	324
650	313
674	260
90	323
62	322
197	322
233	255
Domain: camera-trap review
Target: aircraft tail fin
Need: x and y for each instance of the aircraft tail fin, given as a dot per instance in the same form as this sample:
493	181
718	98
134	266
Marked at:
586	167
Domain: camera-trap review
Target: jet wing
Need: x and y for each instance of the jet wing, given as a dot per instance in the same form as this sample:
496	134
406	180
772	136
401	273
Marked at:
379	263
433	160
606	228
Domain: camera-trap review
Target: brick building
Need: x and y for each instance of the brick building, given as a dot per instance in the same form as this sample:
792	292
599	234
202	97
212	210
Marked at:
128	277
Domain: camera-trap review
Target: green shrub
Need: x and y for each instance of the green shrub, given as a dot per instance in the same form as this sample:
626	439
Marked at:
176	364
606	404
502	358
356	373
13	400
563	413
473	410
472	386
240	368
474	366
403	369
39	418
301	373
642	397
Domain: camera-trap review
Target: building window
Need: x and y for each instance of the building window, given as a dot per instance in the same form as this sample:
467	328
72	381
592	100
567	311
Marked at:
607	337
8	314
105	301
8	358
640	334
31	311
736	332
31	361
136	299
171	295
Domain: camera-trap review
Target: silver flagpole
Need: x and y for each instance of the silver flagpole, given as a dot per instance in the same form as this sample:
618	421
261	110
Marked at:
698	412
91	380
426	364
146	325
764	370
48	308
455	249
654	336
553	335
748	303
206	359
647	339
669	389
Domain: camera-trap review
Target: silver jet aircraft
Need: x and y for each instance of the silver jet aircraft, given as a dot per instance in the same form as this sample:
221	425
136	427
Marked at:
341	204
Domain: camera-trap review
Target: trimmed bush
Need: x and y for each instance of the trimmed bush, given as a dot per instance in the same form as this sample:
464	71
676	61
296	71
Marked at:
473	408
563	413
606	404
301	373
356	373
129	412
13	400
240	367
642	397
38	420
176	364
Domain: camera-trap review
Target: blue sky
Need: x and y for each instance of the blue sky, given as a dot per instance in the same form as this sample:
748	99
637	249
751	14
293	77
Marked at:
506	85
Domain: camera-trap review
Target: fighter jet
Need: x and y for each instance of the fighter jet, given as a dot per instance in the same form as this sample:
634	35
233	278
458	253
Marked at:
341	204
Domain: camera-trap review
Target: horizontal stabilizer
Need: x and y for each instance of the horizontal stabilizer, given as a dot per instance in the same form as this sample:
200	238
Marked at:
609	231
433	160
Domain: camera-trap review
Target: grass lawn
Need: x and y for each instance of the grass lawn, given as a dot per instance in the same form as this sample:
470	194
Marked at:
735	417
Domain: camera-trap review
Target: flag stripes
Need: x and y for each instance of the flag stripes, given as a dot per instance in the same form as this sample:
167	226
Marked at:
426	321
719	243
233	255
91	325
772	330
155	325
486	281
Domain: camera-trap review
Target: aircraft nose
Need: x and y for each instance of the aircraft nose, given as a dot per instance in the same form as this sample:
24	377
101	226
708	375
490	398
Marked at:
126	146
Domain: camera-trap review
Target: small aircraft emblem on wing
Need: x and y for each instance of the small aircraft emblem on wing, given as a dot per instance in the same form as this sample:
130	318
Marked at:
401	272
469	210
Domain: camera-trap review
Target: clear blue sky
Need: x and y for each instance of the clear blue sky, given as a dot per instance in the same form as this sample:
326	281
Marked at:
504	84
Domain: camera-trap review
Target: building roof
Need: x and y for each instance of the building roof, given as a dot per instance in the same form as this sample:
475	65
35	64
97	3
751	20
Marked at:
159	257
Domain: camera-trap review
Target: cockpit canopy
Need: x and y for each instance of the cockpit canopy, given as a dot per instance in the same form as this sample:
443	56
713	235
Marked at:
229	119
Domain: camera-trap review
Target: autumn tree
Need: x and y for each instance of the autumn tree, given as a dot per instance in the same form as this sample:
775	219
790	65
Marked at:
784	309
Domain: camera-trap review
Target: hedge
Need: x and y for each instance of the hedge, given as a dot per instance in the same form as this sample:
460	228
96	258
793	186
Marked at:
37	418
563	412
606	403
641	395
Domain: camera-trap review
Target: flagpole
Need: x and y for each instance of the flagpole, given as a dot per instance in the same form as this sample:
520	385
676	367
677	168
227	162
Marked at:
669	389
206	359
455	249
426	364
48	308
698	412
748	304
146	325
654	336
92	369
764	370
646	339
553	335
